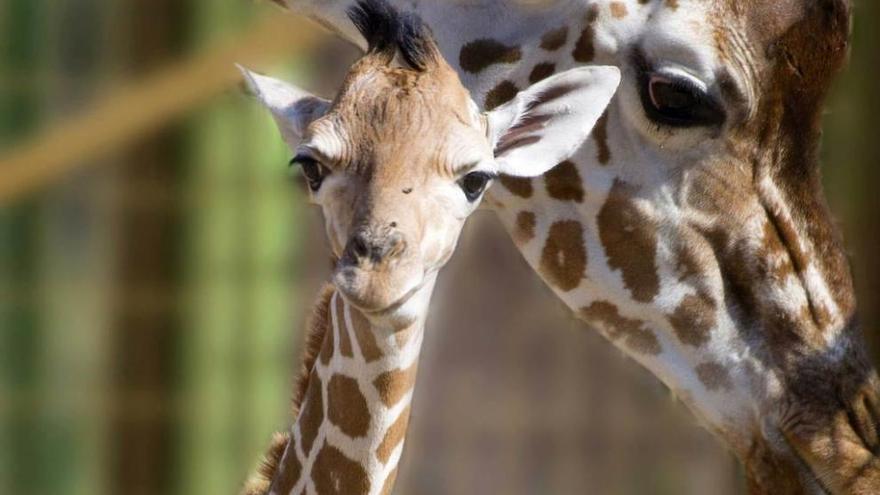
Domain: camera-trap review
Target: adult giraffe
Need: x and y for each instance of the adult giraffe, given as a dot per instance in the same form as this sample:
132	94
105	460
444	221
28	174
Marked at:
692	230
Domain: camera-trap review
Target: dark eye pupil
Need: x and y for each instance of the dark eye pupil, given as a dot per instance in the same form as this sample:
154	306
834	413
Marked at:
474	184
671	97
680	103
311	169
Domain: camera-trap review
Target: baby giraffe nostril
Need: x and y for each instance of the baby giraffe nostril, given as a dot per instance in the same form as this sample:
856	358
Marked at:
365	246
396	245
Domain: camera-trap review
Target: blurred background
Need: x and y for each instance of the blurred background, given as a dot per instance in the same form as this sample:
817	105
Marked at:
156	262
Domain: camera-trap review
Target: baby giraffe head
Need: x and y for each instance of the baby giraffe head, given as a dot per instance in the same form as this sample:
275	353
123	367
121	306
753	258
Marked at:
402	156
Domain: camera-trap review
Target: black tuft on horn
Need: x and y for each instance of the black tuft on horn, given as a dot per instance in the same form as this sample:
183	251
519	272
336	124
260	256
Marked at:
388	31
377	21
416	43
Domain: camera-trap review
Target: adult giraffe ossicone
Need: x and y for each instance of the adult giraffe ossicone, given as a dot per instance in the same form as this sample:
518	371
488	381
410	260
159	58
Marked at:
397	161
692	230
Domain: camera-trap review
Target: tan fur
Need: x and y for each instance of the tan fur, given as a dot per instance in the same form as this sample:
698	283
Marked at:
260	482
393	129
317	324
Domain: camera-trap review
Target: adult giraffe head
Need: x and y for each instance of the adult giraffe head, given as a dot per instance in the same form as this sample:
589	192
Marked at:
692	230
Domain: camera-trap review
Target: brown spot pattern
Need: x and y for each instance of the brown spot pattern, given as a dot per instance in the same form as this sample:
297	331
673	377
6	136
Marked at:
672	4
328	348
618	10
600	135
501	94
518	186
291	470
563	182
316	339
477	55
525	227
636	336
630	242
344	337
564	258
542	71
713	376
335	474
554	40
312	414
393	436
363	332
693	319
393	385
347	407
584	50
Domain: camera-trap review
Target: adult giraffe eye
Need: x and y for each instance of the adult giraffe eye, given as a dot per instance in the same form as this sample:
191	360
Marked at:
678	101
313	171
474	183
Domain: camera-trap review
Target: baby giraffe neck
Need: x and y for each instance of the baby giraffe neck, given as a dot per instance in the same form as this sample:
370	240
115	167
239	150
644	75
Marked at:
348	436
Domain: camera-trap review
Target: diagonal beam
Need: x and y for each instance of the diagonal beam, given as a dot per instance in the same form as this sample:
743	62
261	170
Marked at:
129	112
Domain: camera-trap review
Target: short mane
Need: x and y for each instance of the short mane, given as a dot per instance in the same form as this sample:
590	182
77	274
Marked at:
389	31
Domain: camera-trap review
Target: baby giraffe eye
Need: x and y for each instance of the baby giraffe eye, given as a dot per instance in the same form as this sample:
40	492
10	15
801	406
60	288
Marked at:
473	184
313	171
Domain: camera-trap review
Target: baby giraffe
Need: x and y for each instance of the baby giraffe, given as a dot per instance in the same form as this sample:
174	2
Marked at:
397	162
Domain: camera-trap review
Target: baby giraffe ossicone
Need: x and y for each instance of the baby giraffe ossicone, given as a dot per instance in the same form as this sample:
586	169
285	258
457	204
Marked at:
397	162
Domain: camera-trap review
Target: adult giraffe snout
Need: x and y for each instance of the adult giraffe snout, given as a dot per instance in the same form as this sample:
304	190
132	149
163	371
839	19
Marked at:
829	424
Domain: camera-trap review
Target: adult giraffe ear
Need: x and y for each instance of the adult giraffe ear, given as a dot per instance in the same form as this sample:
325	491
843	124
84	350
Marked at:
548	122
292	108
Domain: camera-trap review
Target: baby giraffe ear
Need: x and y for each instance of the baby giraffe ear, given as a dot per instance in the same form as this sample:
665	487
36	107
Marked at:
548	122
293	108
